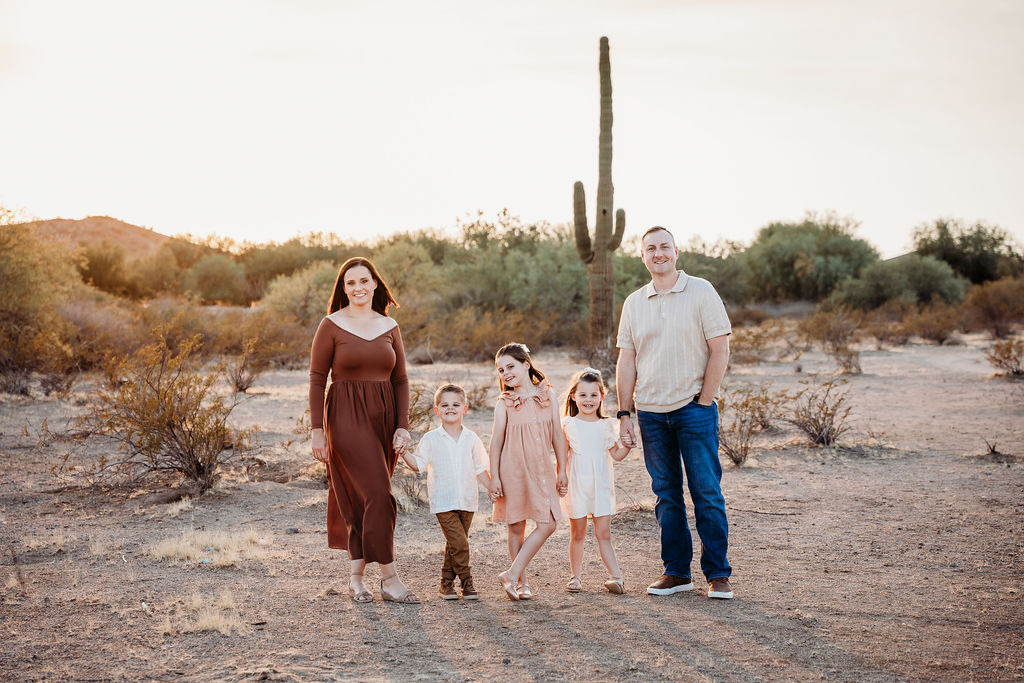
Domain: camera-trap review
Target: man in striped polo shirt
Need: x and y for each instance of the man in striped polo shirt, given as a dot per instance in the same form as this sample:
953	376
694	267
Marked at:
673	350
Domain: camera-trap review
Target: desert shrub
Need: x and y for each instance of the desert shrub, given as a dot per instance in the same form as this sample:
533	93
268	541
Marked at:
806	260
244	368
836	331
215	278
156	275
303	295
100	327
163	416
820	411
747	317
174	322
36	280
753	344
477	396
745	412
937	322
910	279
421	407
887	324
996	306
979	253
1007	355
103	266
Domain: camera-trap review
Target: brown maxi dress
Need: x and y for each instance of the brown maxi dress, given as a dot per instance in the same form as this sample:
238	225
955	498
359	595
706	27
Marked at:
368	399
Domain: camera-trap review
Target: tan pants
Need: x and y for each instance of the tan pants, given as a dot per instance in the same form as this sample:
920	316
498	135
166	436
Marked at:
455	525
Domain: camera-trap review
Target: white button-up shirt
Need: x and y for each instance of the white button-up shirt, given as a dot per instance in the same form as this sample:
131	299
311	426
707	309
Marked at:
452	467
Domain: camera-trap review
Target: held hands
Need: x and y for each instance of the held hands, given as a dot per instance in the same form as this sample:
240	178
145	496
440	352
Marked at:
562	483
494	491
319	445
402	441
626	433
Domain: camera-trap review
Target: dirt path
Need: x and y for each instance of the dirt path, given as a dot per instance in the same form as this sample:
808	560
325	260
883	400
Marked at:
901	560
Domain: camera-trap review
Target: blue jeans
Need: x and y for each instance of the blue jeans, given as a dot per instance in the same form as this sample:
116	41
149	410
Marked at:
687	439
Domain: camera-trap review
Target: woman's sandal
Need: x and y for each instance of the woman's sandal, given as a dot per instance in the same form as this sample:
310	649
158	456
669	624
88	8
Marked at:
406	598
574	585
615	586
508	586
362	596
524	591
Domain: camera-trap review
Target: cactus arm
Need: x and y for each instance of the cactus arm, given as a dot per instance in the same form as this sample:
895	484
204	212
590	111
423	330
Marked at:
620	228
579	211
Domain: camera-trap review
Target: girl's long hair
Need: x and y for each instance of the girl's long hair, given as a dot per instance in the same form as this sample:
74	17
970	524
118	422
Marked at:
382	298
584	375
521	353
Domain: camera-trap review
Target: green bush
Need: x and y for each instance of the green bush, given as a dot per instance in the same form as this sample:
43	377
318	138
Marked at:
215	278
910	279
302	296
103	266
805	260
979	253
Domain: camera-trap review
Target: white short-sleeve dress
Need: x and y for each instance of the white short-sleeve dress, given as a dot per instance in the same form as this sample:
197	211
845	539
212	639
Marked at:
591	479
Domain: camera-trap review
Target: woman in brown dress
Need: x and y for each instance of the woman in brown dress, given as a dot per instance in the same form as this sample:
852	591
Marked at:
362	425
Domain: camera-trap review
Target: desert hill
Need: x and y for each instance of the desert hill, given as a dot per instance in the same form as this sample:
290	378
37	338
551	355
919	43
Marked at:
136	241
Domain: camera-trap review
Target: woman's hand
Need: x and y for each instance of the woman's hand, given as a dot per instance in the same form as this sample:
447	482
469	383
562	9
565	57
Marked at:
402	441
494	490
562	482
320	445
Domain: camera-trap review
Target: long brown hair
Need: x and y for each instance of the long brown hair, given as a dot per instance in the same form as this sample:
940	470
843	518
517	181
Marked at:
521	353
584	375
382	298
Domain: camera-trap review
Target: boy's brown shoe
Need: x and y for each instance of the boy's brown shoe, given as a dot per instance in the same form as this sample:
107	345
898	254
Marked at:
468	592
448	589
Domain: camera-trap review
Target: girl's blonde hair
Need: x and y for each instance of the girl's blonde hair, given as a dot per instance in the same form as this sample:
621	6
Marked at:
584	375
521	353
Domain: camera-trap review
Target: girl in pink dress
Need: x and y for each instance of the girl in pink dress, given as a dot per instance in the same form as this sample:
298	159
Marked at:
593	444
524	485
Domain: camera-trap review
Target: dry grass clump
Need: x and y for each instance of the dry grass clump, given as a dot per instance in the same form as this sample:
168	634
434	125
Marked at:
216	548
98	547
820	411
54	541
176	508
1008	356
201	613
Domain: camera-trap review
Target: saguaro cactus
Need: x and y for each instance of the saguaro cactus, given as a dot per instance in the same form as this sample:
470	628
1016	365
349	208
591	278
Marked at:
597	252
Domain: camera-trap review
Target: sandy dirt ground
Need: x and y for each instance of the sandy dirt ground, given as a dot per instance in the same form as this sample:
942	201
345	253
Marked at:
897	557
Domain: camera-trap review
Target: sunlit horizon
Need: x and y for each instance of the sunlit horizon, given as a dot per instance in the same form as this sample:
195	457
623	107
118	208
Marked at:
260	122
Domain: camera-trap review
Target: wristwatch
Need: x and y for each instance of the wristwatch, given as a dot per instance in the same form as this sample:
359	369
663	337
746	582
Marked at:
622	413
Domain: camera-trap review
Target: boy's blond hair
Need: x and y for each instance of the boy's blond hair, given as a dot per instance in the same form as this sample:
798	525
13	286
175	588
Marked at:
449	388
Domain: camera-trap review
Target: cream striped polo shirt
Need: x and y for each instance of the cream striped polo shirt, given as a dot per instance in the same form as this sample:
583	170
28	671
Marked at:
669	333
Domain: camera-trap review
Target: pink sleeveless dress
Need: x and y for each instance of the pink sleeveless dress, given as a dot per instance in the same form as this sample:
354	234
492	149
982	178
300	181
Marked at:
527	465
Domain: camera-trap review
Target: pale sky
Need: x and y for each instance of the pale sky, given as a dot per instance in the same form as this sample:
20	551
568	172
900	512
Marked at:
261	119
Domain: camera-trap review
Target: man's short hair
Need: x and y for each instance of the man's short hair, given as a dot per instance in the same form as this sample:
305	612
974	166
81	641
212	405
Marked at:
449	388
656	228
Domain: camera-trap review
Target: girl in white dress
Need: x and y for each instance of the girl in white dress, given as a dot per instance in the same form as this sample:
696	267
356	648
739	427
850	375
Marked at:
593	444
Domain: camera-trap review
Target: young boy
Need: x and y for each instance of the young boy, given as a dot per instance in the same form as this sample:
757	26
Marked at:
454	458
